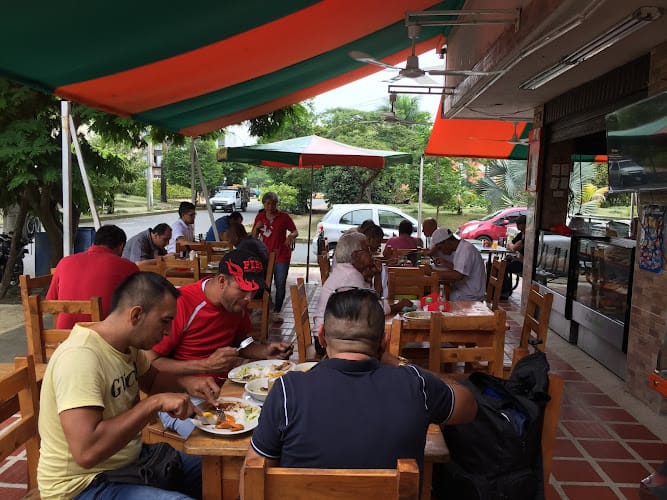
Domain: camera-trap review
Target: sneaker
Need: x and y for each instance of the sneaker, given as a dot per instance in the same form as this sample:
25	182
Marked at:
276	317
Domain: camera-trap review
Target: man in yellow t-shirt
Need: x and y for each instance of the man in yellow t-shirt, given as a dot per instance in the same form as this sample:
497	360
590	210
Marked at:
91	416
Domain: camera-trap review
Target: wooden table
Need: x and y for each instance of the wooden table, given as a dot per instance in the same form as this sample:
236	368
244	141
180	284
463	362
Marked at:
222	457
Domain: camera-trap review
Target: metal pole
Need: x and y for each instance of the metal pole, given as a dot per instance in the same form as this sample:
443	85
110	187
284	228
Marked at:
149	176
68	240
419	206
192	172
310	218
84	176
205	193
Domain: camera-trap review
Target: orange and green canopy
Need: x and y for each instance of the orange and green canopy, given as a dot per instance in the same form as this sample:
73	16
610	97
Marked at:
193	67
478	139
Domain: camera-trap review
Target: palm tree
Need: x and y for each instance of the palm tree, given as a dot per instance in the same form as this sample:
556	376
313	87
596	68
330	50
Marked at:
504	184
584	197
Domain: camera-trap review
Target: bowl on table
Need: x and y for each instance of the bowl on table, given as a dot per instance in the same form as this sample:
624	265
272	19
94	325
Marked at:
259	388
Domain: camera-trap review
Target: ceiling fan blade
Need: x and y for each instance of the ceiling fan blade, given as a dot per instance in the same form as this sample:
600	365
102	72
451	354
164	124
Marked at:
368	59
460	72
426	80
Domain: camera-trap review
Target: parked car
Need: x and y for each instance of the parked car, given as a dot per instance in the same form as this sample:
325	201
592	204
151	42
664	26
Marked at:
492	226
342	217
624	173
230	199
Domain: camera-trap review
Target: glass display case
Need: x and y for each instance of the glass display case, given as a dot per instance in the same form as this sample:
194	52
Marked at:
591	279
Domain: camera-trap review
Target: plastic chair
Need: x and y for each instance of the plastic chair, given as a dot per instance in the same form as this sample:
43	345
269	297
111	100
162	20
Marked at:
261	482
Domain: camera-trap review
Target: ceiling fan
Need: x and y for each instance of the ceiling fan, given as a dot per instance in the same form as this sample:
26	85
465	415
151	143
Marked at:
412	69
390	116
514	140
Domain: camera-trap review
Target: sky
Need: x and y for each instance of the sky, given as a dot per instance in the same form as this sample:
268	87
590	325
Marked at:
366	94
370	93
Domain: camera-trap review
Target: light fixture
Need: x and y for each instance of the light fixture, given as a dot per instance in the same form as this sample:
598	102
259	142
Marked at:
638	19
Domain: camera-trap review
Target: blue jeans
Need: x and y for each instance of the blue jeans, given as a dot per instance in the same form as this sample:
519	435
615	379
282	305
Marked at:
280	280
119	491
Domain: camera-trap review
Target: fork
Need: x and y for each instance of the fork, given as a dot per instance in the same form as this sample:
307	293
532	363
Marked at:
245	343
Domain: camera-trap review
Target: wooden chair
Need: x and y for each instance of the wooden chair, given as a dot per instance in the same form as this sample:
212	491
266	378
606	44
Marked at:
406	282
494	285
43	341
181	272
216	250
476	340
550	424
325	266
304	337
535	322
30	286
156	265
278	483
20	388
197	246
264	304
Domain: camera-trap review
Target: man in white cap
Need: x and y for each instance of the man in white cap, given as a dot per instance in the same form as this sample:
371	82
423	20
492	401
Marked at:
464	265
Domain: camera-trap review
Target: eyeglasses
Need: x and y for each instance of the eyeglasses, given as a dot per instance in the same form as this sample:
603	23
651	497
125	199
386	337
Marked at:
369	291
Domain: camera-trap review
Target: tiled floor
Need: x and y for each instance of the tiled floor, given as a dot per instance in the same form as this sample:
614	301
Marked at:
607	441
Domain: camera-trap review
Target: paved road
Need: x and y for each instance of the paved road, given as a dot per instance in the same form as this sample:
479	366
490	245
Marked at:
134	225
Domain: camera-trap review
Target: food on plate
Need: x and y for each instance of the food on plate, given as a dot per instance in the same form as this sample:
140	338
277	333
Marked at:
255	370
304	367
237	415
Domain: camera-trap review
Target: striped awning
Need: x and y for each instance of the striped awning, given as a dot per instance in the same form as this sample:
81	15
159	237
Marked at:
198	66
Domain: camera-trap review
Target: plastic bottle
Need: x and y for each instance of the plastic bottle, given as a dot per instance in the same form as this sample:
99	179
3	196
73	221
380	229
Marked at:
442	299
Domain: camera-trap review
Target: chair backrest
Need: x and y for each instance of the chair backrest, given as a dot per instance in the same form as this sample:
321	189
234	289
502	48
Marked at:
476	339
279	483
156	265
494	285
406	282
550	423
20	387
264	303
325	266
30	286
197	246
181	272
304	336
216	250
43	341
536	318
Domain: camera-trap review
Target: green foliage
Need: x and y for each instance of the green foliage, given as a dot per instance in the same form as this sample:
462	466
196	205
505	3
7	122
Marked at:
178	165
504	184
287	195
174	191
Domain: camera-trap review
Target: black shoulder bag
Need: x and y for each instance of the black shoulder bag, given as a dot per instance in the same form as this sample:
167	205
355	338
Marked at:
159	466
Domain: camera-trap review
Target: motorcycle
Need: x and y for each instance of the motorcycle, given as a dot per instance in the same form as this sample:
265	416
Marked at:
5	247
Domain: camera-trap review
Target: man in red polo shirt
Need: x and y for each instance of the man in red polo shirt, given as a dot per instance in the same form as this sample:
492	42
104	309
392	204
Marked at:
94	273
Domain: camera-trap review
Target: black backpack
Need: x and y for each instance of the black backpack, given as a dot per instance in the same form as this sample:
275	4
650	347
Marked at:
498	455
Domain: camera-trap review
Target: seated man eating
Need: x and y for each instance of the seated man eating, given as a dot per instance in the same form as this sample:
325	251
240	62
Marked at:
351	410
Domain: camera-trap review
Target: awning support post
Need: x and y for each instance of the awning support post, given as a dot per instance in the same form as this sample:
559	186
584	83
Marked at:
65	109
84	175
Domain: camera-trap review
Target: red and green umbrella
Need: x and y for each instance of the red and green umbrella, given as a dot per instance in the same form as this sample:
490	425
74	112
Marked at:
312	152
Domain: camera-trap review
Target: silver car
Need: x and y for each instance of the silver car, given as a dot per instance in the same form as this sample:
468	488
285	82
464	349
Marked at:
346	216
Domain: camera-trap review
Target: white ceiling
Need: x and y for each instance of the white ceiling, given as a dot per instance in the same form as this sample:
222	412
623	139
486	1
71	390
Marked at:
499	47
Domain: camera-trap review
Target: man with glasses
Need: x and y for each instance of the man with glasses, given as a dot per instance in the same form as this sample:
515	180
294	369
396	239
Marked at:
353	262
183	230
211	321
352	410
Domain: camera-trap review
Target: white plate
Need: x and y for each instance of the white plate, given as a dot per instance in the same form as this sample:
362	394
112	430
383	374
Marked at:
418	315
259	369
304	367
249	422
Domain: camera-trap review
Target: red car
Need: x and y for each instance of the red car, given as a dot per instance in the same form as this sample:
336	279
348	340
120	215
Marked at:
492	226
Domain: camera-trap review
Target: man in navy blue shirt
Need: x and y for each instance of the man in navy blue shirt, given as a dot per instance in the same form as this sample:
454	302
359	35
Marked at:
222	223
351	410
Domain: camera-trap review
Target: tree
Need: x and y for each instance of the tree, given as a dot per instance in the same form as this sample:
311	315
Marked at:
504	184
178	163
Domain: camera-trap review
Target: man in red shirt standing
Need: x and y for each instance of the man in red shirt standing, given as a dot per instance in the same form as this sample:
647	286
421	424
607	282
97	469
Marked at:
94	273
277	231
